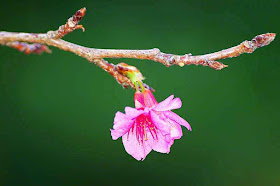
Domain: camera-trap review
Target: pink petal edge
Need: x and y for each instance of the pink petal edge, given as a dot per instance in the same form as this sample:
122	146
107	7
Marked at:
160	145
178	119
169	104
132	112
162	105
122	121
136	150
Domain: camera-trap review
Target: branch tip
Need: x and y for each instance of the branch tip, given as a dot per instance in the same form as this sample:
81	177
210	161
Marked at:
71	25
263	39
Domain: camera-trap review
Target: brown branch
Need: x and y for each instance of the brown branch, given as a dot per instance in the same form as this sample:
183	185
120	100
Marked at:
29	48
52	38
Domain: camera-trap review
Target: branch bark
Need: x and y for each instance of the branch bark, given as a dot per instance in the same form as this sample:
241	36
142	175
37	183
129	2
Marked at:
52	38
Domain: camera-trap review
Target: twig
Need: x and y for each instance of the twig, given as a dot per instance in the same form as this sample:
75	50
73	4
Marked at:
29	48
52	38
71	25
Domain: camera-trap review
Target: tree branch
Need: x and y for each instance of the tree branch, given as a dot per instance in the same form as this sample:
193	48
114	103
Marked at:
52	38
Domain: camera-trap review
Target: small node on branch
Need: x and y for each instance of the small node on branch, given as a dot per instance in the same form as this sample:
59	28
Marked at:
71	25
216	65
181	64
29	48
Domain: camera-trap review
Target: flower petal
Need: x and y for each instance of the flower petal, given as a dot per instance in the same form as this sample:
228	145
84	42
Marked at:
159	123
132	112
177	119
134	148
175	130
159	145
166	125
169	140
117	133
122	121
162	105
173	104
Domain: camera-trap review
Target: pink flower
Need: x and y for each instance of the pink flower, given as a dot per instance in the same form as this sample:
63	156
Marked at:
149	126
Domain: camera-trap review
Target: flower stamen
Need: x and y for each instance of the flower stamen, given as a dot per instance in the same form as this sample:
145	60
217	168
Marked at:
143	125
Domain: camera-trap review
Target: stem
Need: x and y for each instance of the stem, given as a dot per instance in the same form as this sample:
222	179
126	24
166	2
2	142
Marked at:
141	85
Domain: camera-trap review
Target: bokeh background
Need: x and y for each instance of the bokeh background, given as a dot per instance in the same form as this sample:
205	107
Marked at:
56	110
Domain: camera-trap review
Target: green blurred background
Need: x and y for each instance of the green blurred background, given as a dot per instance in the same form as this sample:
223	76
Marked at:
56	110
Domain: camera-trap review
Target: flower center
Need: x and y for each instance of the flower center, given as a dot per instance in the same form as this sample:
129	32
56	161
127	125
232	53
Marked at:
142	126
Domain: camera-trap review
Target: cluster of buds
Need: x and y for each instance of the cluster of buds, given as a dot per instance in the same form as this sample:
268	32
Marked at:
28	48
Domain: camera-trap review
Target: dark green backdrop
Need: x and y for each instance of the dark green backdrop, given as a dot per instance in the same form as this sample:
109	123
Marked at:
56	110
